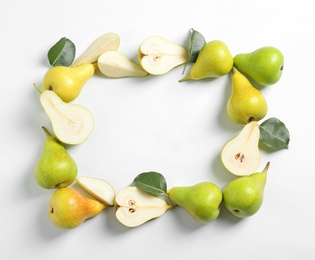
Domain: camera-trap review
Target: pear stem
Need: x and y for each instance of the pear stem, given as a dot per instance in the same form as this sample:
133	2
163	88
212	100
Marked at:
95	65
267	167
46	131
38	88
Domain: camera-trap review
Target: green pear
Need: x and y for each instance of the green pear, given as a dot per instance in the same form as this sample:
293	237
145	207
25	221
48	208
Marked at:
214	60
246	103
243	196
68	208
241	154
55	168
158	55
67	82
202	201
264	65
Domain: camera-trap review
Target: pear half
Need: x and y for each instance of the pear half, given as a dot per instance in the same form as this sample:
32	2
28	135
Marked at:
241	155
116	65
72	123
98	188
134	207
106	42
158	55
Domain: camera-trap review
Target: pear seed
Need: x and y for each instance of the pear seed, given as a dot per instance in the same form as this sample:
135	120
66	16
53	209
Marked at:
132	210
131	202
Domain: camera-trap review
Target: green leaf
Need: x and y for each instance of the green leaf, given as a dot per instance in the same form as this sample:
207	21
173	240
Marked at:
274	134
197	41
151	182
62	53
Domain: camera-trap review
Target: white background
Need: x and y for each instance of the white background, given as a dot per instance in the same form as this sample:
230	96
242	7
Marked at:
156	123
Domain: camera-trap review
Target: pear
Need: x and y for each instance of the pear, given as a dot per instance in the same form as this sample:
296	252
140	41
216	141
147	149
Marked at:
158	55
214	60
134	207
67	82
68	208
106	42
246	103
72	123
55	168
264	65
241	155
243	196
116	65
202	201
98	188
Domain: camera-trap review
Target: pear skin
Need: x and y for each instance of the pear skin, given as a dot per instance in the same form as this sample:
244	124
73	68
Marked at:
202	201
214	60
246	103
68	208
264	65
55	168
67	82
243	196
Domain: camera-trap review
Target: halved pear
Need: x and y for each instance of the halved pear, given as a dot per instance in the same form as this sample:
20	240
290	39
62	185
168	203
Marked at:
133	207
158	55
116	65
98	188
71	123
106	42
241	155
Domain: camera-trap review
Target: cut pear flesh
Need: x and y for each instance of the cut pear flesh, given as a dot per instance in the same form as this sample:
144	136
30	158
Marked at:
105	42
158	55
116	65
98	188
133	207
241	155
71	123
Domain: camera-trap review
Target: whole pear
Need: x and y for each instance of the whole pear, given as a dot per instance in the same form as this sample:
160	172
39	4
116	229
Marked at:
202	201
264	65
67	82
214	60
246	103
243	197
68	208
55	168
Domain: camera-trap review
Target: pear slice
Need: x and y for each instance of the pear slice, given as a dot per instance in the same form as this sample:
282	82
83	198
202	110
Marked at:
157	55
134	207
241	155
72	123
98	188
106	42
116	65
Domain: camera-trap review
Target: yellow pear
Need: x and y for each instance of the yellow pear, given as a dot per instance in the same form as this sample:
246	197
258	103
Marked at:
67	82
214	60
246	103
68	208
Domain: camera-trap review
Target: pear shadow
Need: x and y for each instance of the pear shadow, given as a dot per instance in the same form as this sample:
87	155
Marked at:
227	218
185	222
